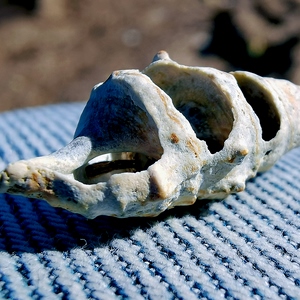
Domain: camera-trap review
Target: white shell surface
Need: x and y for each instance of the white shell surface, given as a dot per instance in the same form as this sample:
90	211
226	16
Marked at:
167	136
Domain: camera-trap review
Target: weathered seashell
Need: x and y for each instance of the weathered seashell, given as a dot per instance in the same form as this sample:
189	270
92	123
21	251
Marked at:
164	137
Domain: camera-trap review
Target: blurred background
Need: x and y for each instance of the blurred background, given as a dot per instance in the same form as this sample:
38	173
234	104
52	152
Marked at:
56	50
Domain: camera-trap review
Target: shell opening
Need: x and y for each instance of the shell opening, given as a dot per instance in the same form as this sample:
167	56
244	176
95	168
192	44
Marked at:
262	104
200	100
102	167
211	125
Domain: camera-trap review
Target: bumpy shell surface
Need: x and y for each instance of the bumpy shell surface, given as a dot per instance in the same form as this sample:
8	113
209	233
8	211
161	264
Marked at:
167	136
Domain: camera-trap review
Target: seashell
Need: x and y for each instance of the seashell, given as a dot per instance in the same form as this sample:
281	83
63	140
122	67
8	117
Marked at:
164	137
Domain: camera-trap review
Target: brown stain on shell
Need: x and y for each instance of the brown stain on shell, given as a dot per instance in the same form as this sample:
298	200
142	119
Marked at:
193	147
40	183
174	138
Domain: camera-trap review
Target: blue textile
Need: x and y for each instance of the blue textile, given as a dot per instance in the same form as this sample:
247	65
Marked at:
244	247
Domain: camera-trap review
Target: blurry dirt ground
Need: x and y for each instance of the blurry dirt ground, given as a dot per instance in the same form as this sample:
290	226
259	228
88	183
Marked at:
56	50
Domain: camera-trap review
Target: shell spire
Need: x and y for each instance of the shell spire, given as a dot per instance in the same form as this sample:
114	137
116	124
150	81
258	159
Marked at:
164	137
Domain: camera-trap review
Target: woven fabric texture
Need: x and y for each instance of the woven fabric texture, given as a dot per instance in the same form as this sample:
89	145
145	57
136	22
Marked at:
244	247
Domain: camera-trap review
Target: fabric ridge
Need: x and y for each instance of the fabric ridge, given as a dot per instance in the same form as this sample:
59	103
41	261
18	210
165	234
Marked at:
243	247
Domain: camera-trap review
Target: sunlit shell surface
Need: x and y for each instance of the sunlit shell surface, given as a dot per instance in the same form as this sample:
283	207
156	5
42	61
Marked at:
163	137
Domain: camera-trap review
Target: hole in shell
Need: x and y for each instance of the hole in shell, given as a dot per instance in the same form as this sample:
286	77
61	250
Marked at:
200	100
102	167
262	104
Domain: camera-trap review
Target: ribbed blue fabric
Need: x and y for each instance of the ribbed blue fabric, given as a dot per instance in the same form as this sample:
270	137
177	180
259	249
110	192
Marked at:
244	247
